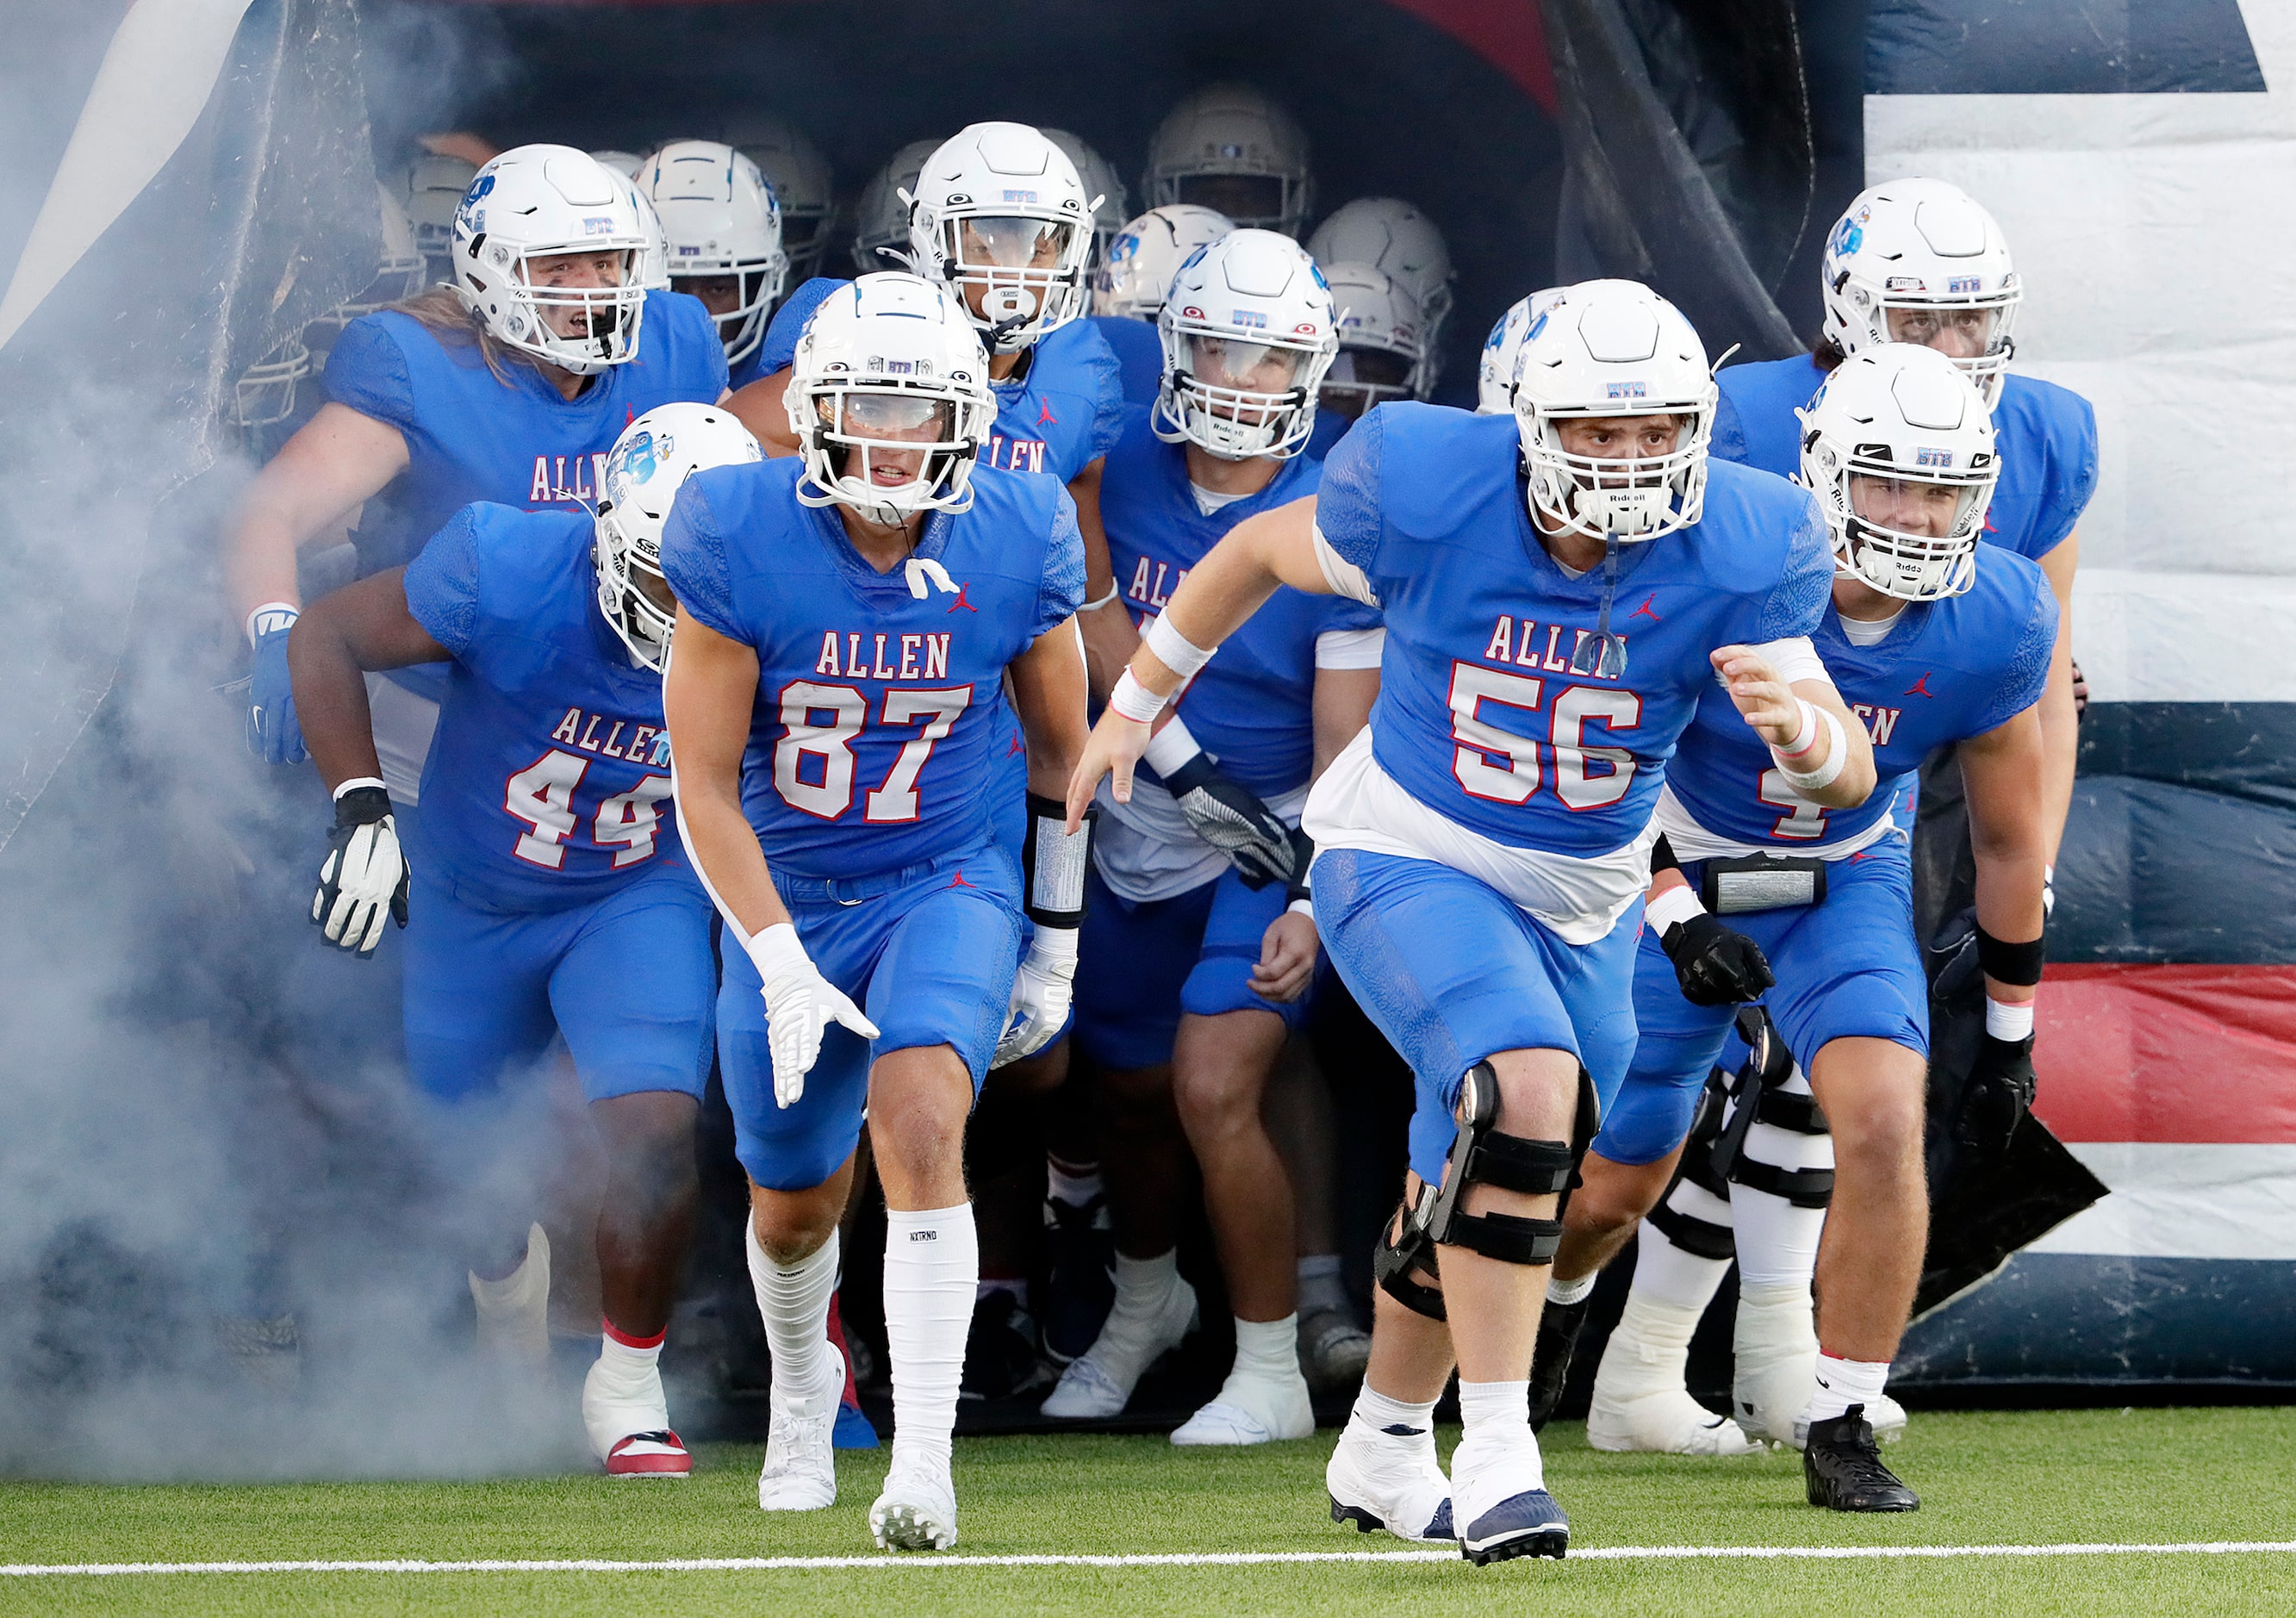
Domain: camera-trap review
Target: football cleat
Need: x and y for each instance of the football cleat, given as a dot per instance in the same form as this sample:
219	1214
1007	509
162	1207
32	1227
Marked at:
1559	1325
1254	1410
1088	1391
1842	1468
1887	1417
1389	1483
621	1404
1640	1402
659	1453
801	1469
1334	1350
1500	1507
917	1511
1081	1287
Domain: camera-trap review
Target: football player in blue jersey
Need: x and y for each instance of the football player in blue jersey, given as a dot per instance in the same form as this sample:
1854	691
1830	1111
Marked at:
1935	639
849	620
1197	958
510	386
1128	288
550	895
1919	261
1382	355
1560	592
722	234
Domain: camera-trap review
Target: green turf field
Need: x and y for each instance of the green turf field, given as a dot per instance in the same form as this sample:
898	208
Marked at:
2085	1477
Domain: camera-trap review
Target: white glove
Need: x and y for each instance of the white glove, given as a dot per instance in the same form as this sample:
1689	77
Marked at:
799	1004
365	878
1041	991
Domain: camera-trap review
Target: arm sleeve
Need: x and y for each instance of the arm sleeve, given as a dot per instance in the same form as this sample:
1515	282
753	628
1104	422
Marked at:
367	371
789	323
1347	501
2027	673
1796	604
694	561
2073	477
442	583
1061	593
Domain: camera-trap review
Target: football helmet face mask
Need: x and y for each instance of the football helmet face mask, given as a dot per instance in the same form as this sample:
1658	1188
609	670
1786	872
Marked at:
1099	180
1132	280
1608	350
1249	332
1920	261
431	188
263	396
720	223
889	400
999	214
536	220
1392	236
1897	447
1383	342
1230	148
1495	377
802	184
880	239
648	465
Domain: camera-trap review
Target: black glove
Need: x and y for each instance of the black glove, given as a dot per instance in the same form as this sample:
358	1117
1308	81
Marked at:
365	873
1998	1095
1716	965
1234	820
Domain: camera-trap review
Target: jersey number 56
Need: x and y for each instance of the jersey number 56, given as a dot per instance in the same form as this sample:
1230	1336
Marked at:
1503	768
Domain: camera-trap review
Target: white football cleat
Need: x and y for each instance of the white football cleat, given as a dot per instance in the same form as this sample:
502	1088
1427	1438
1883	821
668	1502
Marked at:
1251	1410
801	1469
1090	1389
1334	1350
918	1509
1886	1416
1389	1483
1664	1421
627	1416
1499	1504
1775	1343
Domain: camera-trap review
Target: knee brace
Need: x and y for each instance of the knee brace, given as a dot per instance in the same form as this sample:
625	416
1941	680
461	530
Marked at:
1481	1155
1702	1238
1758	1096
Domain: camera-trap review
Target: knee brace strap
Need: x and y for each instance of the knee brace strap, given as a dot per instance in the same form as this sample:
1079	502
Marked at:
1791	1111
1803	1188
1481	1155
1398	1263
1701	1238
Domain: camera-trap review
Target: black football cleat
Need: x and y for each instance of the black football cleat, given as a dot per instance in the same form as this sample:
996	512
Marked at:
1842	1467
1559	1325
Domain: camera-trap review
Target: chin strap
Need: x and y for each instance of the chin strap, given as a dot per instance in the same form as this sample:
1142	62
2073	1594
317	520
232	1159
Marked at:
1603	654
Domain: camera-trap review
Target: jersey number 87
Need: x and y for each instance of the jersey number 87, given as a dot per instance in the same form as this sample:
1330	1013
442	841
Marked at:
893	800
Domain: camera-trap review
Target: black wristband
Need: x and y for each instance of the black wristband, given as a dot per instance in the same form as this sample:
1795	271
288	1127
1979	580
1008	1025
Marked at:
1662	856
1052	863
2016	964
1303	856
361	806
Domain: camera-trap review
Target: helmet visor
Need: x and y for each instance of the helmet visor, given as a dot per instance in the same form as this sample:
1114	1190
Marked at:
993	241
1245	198
1360	378
1962	332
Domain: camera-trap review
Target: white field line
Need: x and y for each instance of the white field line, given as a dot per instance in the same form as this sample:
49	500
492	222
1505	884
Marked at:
1241	1558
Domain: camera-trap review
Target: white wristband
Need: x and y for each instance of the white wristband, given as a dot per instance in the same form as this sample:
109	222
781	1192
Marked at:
1302	906
1114	590
1134	700
1674	906
271	615
1837	755
1171	748
1173	649
2005	1020
356	782
1803	736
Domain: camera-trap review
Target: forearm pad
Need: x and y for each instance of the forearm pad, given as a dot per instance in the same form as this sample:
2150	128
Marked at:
1053	862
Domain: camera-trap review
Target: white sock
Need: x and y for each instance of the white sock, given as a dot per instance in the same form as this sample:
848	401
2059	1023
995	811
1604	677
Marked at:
1652	1341
793	1302
1127	1343
627	1361
1777	1242
1671	1274
1843	1383
1267	1351
932	1263
1497	1416
1567	1293
1075	1184
1320	1291
1399	1420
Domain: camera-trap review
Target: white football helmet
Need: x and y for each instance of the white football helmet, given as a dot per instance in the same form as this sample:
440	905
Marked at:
1382	340
880	237
1099	180
1613	348
802	184
720	219
648	465
1897	447
1249	331
1919	261
653	262
263	396
1495	377
1132	280
533	204
431	188
999	214
625	163
1231	148
1391	234
881	361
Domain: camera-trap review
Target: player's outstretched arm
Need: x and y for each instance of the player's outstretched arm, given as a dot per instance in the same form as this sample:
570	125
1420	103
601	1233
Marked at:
707	695
1227	587
360	627
1823	753
2009	831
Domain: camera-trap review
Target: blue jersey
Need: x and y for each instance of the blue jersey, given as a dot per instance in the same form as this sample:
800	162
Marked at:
880	723
1480	716
514	440
748	369
2047	437
1061	410
1325	436
1252	707
1139	353
1948	670
548	781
